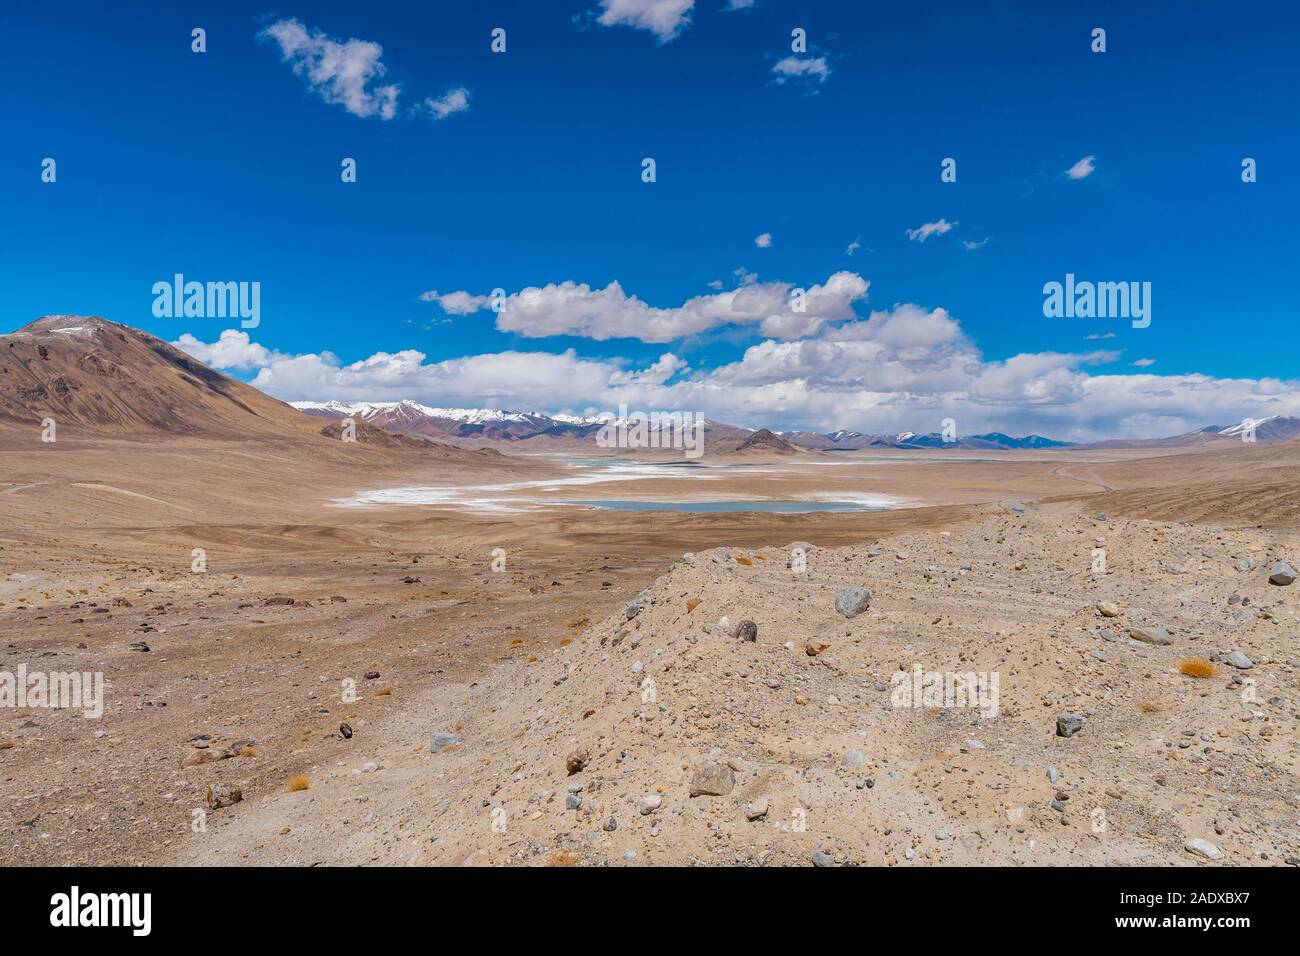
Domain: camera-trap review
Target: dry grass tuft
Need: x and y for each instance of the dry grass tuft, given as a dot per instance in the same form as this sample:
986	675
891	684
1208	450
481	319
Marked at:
6	745
248	751
578	622
385	692
517	642
1150	706
563	858
741	559
1197	667
299	782
692	604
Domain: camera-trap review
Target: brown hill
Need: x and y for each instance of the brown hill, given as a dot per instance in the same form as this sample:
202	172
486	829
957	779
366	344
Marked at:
92	375
763	441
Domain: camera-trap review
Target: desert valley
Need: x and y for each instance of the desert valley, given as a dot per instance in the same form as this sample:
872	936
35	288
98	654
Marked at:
479	639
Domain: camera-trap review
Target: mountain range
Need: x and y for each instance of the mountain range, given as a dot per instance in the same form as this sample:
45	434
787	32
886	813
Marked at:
95	375
540	428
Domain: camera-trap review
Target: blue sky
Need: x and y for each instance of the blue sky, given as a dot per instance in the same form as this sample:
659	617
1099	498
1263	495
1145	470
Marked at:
225	166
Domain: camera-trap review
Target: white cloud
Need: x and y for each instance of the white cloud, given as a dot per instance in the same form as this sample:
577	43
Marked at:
456	303
342	72
1083	168
904	368
664	18
809	68
971	246
571	308
1099	335
232	350
853	246
738	5
926	230
1145	362
453	101
763	241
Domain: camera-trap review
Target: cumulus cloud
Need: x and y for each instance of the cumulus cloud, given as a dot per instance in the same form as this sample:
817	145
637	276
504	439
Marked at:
456	303
763	241
928	229
903	368
664	18
343	72
1083	168
572	308
232	350
812	69
453	101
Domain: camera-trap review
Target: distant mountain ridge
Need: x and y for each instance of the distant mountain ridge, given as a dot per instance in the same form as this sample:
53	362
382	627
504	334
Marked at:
490	424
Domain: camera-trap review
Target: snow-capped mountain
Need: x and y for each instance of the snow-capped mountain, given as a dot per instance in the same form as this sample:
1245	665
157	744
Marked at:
475	425
487	424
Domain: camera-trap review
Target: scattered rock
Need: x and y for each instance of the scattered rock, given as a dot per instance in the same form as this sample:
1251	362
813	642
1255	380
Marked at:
1067	725
1203	848
715	780
223	795
822	858
1107	609
1150	635
576	762
1240	661
1281	574
650	803
441	740
852	601
746	631
756	809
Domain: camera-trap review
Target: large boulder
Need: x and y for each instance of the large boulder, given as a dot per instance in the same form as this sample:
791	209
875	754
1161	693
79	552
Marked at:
852	601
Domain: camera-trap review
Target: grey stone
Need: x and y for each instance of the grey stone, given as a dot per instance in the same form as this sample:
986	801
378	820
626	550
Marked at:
746	631
1150	635
852	601
1203	848
442	740
1240	661
223	795
1281	574
1067	725
1013	505
822	858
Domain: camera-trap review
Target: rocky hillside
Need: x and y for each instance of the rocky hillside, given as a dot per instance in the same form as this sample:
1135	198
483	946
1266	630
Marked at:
95	376
756	707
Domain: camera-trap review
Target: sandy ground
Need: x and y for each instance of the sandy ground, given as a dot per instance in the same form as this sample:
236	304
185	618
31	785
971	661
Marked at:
96	554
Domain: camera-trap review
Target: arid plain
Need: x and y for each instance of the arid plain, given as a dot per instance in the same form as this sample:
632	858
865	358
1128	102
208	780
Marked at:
558	684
